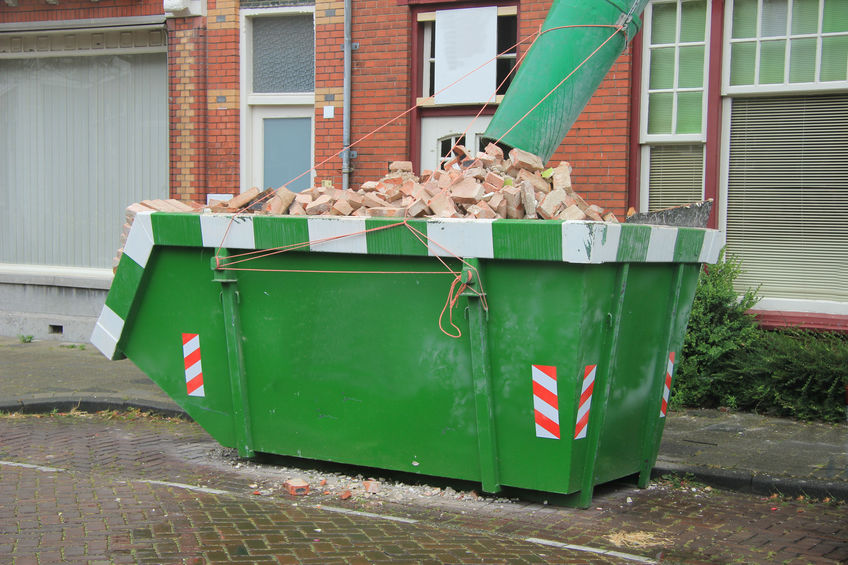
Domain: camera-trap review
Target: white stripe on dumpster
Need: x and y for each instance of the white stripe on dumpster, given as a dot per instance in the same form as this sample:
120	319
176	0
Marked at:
342	235
582	424
667	384
140	239
661	245
107	332
545	401
461	237
590	242
711	247
227	231
596	550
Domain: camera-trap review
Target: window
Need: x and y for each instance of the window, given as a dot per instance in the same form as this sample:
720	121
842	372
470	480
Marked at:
676	57
278	99
786	45
787	195
283	54
506	37
674	105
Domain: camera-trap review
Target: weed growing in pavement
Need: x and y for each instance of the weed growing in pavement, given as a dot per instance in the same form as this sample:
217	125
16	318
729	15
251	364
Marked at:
686	481
80	346
25	338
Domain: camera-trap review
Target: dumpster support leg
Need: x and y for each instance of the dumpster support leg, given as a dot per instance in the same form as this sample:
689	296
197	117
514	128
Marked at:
603	382
482	378
235	359
649	454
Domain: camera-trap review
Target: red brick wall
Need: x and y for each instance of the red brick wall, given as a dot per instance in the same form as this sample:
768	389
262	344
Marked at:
35	11
381	85
597	145
203	70
329	81
187	115
222	97
203	61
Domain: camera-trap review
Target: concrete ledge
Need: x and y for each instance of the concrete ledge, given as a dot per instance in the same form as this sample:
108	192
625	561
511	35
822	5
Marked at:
47	275
89	404
755	483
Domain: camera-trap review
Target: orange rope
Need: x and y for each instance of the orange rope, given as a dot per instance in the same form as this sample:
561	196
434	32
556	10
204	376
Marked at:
618	28
457	285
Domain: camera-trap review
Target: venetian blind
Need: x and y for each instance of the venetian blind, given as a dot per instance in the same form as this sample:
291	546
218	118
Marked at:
676	175
787	202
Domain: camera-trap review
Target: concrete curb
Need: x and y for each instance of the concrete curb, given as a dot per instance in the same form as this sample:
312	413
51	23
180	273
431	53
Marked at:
89	404
755	483
737	480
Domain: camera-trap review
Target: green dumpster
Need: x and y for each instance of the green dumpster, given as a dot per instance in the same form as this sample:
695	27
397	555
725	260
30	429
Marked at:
530	354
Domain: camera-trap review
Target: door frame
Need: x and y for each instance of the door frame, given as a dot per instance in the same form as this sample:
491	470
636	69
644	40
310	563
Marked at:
256	166
263	104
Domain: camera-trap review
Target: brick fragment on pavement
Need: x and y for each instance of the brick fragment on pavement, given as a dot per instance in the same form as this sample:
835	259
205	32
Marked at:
296	487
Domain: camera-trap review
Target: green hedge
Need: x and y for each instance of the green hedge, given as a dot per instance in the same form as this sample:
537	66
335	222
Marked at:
728	361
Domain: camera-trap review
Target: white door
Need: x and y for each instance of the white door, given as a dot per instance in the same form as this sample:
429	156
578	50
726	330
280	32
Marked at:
281	147
438	134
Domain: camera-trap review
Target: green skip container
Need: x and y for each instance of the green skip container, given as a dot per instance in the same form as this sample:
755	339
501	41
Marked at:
529	354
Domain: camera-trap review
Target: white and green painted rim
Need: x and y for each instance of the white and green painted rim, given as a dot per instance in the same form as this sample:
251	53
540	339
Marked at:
579	242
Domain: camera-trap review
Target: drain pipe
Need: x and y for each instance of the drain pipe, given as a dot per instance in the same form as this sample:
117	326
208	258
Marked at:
348	49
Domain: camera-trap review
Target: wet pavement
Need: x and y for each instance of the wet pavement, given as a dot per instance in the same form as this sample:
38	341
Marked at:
120	487
124	488
743	452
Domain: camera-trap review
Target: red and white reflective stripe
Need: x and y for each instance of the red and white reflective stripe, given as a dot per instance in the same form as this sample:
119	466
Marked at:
545	403
585	402
193	371
669	369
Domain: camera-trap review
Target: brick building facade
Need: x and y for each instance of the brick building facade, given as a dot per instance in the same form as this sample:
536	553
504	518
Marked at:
196	98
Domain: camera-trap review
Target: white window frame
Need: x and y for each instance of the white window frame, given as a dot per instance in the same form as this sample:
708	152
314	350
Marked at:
248	100
657	138
426	18
645	173
786	86
765	304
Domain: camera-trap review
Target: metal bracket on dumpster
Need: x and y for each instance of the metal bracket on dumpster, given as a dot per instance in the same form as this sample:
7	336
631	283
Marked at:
235	356
470	276
481	372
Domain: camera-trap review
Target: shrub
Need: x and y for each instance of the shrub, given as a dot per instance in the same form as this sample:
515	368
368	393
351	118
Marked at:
793	373
727	360
718	326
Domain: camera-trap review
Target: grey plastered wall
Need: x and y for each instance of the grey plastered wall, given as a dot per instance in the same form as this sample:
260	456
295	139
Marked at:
50	303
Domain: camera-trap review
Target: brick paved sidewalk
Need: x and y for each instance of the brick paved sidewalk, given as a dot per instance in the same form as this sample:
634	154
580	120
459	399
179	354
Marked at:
92	489
744	452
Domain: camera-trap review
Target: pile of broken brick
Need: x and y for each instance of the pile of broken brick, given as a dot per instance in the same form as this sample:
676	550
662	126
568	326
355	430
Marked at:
486	186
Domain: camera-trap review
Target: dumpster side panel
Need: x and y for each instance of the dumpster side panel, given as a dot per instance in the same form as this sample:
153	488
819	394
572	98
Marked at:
348	363
679	320
548	317
180	299
643	332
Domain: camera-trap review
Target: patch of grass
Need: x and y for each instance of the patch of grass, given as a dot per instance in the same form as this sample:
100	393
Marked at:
25	338
80	346
684	481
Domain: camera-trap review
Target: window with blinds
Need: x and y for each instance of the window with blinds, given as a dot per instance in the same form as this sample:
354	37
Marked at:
676	175
675	56
787	44
787	200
